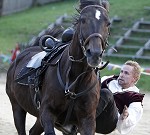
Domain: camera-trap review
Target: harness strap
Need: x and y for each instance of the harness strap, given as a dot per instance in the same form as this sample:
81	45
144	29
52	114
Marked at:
71	105
84	92
59	77
67	80
73	96
67	88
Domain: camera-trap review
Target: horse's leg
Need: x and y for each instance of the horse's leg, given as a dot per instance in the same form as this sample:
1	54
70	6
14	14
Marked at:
19	118
46	120
37	129
72	132
107	113
87	126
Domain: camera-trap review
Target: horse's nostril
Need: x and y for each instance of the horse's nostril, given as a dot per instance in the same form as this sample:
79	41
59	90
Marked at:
101	54
88	53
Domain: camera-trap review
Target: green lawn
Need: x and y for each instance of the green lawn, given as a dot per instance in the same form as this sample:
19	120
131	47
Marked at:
21	27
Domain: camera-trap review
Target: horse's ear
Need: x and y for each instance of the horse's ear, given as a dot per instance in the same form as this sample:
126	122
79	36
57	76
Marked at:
105	4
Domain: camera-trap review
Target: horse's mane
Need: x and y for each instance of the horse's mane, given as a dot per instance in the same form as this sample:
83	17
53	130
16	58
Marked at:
55	32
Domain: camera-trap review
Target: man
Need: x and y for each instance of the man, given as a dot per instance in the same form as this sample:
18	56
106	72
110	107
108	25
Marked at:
120	106
15	52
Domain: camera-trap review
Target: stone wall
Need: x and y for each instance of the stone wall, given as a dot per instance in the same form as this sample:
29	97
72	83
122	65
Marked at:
12	6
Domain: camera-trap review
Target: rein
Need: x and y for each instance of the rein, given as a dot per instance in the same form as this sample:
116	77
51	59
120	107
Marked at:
67	86
85	42
94	35
74	96
71	58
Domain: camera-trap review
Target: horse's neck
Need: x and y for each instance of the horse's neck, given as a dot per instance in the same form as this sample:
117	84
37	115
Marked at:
75	49
74	68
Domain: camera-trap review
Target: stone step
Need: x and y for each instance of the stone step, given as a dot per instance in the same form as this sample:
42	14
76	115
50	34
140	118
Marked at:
120	55
141	30
136	39
143	58
129	57
147	8
129	47
145	22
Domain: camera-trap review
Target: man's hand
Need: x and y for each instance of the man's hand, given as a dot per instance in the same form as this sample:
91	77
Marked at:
125	113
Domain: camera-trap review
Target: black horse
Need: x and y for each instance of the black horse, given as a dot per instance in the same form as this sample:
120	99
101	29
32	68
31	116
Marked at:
69	90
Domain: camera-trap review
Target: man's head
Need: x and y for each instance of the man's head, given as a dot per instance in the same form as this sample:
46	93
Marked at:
129	74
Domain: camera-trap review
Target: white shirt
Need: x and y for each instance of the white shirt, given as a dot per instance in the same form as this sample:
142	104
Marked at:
135	109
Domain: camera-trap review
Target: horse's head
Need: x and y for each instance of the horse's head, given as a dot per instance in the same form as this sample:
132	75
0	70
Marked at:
92	29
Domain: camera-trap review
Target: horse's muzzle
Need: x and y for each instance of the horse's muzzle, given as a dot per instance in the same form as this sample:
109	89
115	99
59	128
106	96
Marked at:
93	59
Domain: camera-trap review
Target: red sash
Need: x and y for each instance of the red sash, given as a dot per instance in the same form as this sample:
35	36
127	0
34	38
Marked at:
123	98
126	98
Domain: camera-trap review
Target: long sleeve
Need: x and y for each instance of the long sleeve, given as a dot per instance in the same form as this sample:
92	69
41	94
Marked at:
125	126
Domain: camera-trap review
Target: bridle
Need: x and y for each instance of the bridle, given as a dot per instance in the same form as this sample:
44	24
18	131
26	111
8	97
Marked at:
83	41
68	86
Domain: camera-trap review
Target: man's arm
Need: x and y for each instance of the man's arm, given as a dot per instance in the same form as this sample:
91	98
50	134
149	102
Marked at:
129	118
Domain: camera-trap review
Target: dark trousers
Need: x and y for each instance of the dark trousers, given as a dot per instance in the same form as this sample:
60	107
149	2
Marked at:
107	114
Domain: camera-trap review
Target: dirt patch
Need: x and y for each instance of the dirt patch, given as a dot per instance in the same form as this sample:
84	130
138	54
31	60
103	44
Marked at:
7	125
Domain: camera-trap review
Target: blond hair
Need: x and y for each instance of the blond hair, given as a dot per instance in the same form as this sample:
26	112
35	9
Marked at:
137	68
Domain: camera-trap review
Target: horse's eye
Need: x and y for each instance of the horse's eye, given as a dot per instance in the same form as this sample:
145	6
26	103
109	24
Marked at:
83	20
108	24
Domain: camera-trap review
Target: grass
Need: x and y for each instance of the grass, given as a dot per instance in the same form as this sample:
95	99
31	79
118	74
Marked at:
129	10
21	27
